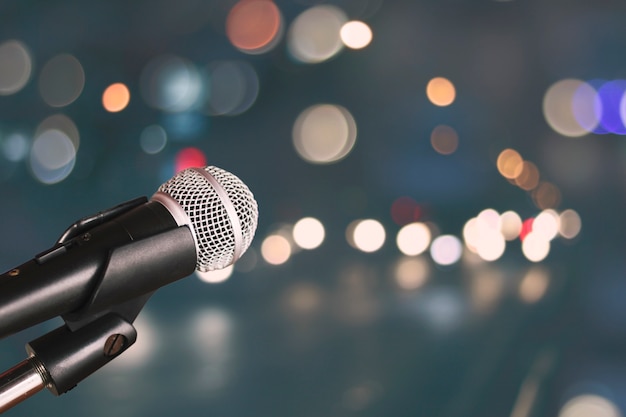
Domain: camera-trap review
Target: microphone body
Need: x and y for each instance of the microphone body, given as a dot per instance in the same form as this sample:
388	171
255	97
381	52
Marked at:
129	255
103	269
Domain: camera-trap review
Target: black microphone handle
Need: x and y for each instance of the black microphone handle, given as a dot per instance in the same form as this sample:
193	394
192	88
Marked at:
132	254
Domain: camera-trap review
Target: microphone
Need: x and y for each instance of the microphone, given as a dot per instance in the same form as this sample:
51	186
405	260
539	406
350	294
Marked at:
202	218
104	267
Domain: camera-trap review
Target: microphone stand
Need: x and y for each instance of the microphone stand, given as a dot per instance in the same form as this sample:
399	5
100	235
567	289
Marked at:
89	339
62	358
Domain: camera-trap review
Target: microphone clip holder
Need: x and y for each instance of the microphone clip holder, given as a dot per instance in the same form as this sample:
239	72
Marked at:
88	340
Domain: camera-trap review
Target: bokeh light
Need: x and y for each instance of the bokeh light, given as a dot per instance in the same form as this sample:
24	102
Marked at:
308	233
405	210
411	273
215	276
534	285
368	235
254	26
535	246
546	195
611	94
569	224
413	239
115	97
15	66
509	163
62	123
559	110
153	139
171	83
547	224
15	146
61	80
314	36
444	139
234	87
52	156
440	91
588	405
275	249
446	250
324	133
528	178
356	34
511	225
189	158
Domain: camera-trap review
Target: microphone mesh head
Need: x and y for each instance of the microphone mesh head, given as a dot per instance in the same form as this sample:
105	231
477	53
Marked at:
221	210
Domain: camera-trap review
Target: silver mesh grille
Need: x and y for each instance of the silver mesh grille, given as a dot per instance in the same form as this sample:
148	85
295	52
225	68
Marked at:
222	213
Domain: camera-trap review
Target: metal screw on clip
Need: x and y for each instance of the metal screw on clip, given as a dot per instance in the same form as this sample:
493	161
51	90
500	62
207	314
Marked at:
14	272
114	344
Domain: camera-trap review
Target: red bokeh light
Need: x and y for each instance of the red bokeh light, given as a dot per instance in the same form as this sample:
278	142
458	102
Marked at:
405	210
527	227
189	158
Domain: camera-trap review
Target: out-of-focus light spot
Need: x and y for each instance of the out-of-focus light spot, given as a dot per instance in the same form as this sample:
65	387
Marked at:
528	179
405	210
611	94
547	224
569	224
216	276
446	249
440	91
276	249
211	335
308	233
356	34
486	289
413	239
527	227
558	108
511	225
587	107
314	36
153	139
254	26
15	66
61	123
534	285
324	133
303	298
116	97
483	236
490	244
52	156
61	80
489	219
444	139
172	84
588	405
535	247
234	87
546	195
369	235
15	147
411	273
189	158
509	163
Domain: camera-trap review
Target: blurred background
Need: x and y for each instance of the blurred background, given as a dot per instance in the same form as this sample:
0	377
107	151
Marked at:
440	187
